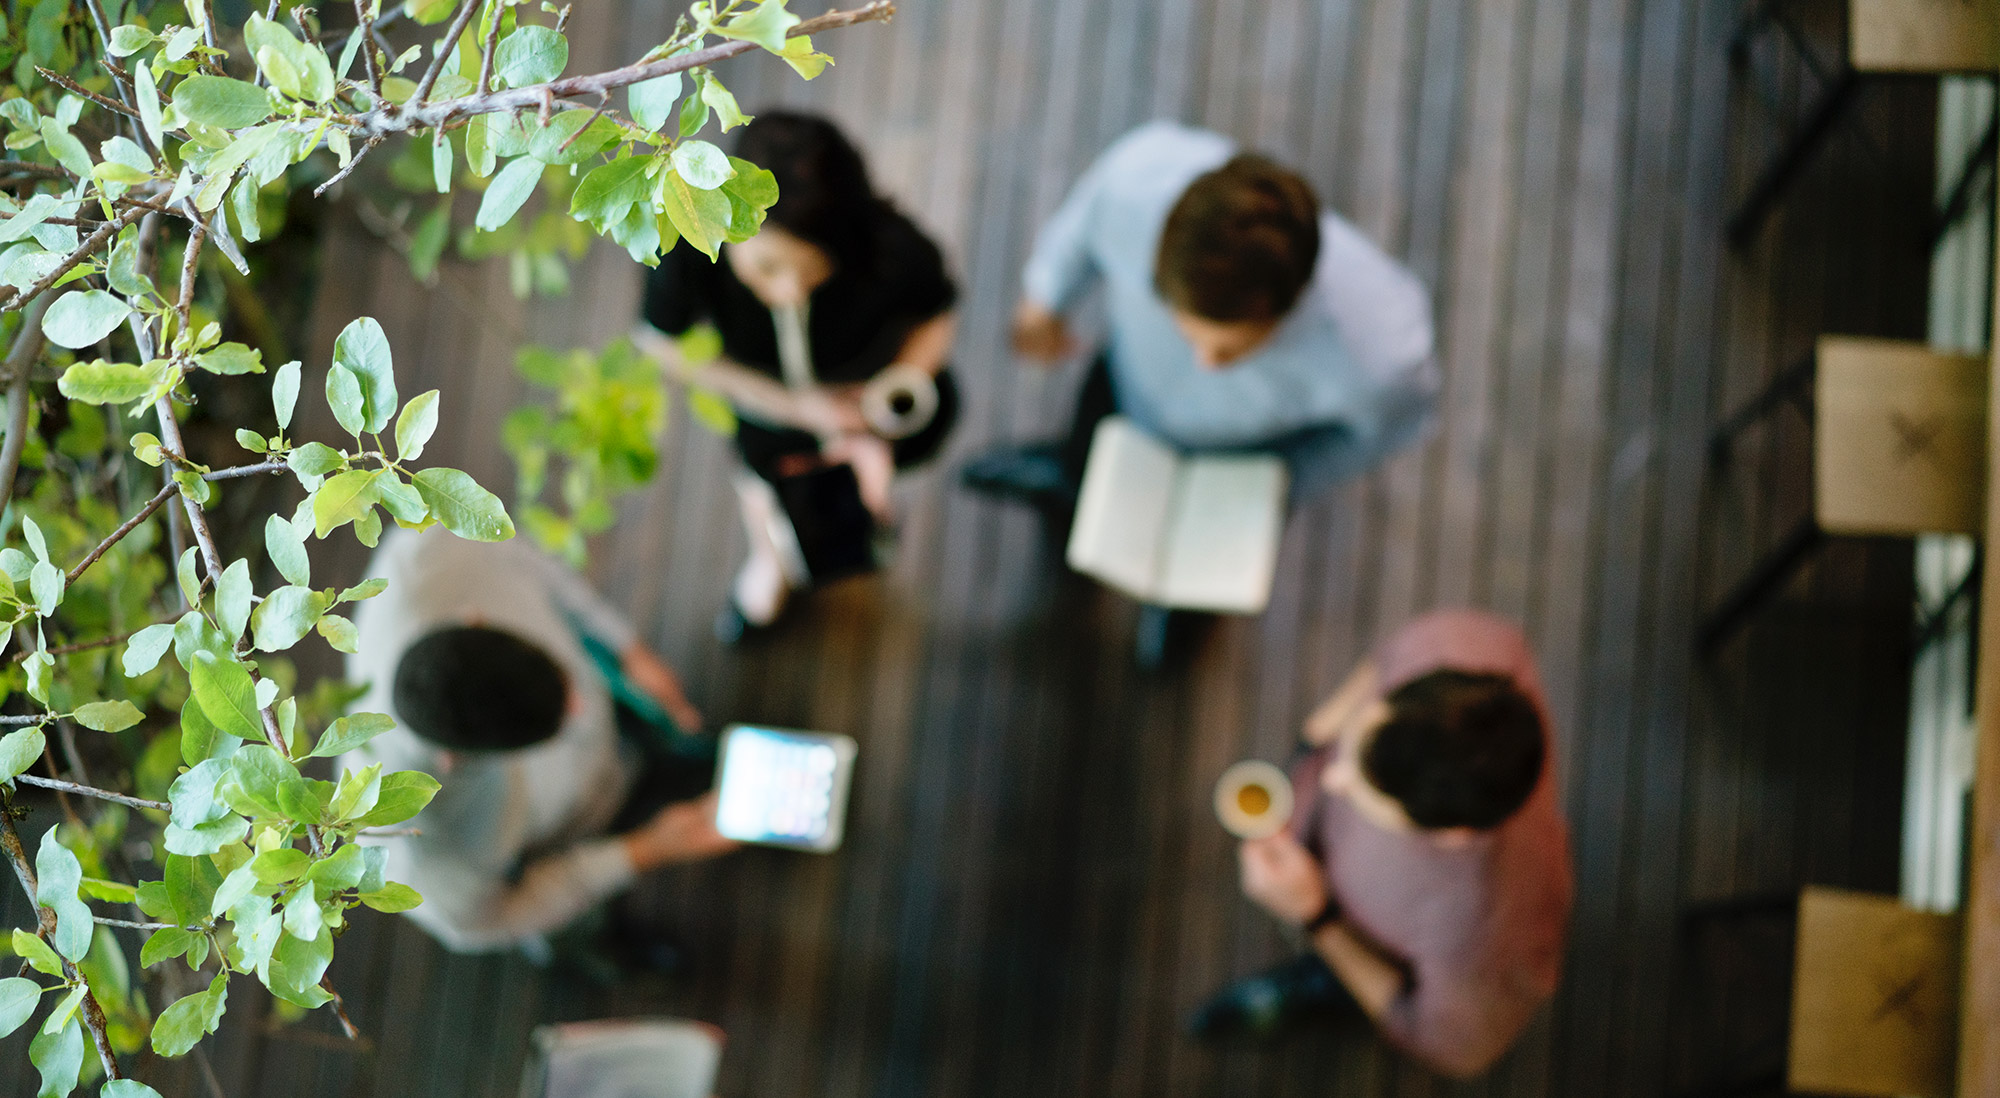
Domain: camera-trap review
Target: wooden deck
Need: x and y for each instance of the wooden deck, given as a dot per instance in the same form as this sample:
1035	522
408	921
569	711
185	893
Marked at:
1034	893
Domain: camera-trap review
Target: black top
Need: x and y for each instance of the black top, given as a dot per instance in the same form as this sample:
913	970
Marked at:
858	320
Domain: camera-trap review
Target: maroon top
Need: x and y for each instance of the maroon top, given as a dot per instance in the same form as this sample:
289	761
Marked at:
1479	928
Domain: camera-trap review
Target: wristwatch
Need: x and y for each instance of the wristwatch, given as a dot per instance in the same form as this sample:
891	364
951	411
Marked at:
1329	914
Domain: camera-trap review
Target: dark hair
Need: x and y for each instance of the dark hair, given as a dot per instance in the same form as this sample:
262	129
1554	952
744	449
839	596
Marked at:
824	196
1240	244
1458	750
470	688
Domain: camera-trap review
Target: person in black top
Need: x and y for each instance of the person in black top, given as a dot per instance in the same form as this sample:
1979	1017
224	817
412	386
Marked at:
836	302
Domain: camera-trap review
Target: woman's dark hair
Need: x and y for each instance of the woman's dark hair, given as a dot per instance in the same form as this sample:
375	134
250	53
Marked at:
1458	750
824	196
470	688
1240	243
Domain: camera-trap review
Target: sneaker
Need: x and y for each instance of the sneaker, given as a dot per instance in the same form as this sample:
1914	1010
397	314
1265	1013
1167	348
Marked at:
1033	473
1263	1004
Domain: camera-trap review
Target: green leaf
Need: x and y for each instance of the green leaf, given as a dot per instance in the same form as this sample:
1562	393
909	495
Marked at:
297	964
652	101
68	151
404	794
344	499
804	60
766	25
350	732
752	184
280	866
507	193
416	425
18	999
200	739
109	716
287	551
112	892
572	137
127	1088
222	167
233	594
184	572
148	94
701	216
286	616
392	898
315	459
354	796
77	320
285	393
299	800
223	689
703	165
427	243
479	152
46	583
530	55
401	500
30	948
363	348
127	40
143	651
260	772
465	509
366	589
345	397
19	751
101	382
339	632
221	102
722	100
59	874
611	190
306	72
231	358
166	944
65	1009
59	1058
190	883
183	1025
193	794
427	12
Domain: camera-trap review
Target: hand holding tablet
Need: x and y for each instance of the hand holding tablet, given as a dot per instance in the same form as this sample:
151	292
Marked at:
784	787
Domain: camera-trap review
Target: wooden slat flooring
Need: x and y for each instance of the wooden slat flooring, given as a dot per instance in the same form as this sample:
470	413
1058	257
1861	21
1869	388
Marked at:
1033	893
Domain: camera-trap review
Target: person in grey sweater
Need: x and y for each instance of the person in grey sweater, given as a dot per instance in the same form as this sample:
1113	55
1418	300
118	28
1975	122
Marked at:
488	657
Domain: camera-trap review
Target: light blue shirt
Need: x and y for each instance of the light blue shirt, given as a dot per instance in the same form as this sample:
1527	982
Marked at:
1349	368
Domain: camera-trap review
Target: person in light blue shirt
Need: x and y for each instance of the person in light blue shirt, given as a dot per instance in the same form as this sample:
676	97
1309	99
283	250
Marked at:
1242	317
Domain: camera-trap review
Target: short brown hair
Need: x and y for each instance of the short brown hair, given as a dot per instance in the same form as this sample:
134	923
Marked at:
1240	244
1459	749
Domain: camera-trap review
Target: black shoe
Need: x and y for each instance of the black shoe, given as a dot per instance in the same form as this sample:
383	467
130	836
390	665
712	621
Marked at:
1033	473
1265	1003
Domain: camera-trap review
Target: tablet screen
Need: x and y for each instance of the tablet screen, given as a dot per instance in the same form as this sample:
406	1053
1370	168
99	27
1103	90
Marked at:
783	787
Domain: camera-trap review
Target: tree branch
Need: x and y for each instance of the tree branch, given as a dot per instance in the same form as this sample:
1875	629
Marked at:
129	924
67	84
387	119
18	366
79	646
93	1014
352	163
92	791
486	55
449	46
130	524
94	241
366	26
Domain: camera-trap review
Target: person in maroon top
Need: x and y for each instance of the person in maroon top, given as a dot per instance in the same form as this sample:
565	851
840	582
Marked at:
1427	861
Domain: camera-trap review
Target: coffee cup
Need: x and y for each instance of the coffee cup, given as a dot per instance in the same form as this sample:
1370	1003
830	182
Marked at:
1253	799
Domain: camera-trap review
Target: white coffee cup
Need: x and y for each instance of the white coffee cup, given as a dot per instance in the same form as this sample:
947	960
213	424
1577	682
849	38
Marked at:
1253	799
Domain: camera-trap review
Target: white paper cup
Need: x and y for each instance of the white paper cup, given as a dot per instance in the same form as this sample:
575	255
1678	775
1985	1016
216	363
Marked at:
1253	799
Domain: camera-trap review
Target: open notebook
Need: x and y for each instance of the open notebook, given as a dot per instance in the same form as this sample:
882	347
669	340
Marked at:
1187	531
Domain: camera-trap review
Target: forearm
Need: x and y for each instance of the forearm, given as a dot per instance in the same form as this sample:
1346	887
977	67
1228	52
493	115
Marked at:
758	394
928	346
552	893
1373	980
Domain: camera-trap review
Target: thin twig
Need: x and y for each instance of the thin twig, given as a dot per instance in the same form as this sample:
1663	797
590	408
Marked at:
130	924
129	525
90	244
92	791
367	27
340	1009
492	45
67	84
237	471
449	46
352	163
93	1014
24	721
603	104
388	118
17	368
197	237
82	646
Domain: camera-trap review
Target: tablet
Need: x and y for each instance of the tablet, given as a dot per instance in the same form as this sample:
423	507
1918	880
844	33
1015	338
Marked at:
783	787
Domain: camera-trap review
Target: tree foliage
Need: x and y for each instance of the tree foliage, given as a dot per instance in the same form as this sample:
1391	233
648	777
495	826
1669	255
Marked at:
142	153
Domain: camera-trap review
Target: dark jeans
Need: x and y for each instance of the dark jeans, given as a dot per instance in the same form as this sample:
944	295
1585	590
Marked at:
673	767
